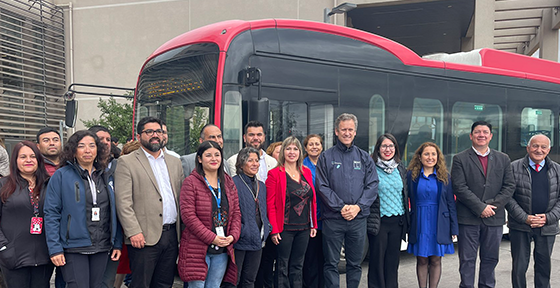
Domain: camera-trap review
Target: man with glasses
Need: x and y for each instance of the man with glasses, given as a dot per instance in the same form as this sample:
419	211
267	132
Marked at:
148	183
533	212
209	132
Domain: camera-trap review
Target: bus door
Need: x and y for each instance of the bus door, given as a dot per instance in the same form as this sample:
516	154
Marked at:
364	94
301	97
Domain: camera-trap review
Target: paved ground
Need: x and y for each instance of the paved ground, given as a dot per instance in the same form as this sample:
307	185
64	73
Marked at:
450	274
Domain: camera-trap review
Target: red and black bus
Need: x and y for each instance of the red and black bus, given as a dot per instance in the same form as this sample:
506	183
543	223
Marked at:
297	76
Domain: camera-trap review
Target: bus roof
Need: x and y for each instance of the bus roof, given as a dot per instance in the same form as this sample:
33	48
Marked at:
486	61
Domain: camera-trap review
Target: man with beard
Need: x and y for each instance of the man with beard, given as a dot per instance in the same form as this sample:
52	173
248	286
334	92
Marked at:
254	137
148	183
48	142
50	146
208	132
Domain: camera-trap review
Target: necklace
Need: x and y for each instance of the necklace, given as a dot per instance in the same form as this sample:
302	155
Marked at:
291	173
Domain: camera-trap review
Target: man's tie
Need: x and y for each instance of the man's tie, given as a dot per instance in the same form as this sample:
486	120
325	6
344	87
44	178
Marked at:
537	166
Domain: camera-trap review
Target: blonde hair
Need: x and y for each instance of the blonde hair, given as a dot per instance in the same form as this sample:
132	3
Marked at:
287	142
415	165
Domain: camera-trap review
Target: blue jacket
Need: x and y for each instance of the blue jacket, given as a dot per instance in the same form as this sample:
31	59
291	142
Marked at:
446	216
65	212
250	237
345	176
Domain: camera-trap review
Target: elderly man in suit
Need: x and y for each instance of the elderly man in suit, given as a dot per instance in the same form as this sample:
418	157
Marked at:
483	183
533	212
255	137
208	132
148	183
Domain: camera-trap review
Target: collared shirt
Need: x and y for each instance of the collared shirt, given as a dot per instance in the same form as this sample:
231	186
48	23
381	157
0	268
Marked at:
532	164
164	184
480	154
263	169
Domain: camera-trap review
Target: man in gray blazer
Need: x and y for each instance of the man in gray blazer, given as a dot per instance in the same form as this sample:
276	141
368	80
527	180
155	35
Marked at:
147	186
483	183
208	132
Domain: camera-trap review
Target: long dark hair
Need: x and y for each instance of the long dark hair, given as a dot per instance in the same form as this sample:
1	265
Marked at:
15	180
203	147
68	154
375	154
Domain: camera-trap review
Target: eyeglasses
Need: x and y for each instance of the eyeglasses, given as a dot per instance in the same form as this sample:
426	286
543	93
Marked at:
150	132
387	147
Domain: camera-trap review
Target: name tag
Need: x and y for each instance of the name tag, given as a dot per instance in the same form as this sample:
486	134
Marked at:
220	231
95	214
36	225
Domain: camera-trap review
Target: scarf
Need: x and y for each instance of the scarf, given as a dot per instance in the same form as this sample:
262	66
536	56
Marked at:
387	166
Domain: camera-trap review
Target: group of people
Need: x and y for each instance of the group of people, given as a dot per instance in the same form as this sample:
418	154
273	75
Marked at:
276	219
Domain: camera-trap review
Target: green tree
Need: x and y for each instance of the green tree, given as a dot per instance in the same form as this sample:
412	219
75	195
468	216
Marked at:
117	117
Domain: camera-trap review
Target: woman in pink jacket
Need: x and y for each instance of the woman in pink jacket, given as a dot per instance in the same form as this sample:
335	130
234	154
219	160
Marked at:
292	211
210	212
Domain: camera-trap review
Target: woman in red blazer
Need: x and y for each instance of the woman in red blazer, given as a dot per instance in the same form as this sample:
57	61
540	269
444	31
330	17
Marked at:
210	212
292	211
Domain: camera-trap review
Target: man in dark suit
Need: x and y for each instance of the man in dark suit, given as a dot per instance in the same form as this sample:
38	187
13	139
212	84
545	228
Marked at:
148	182
483	183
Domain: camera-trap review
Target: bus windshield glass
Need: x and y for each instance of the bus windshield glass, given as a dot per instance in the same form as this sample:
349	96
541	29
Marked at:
178	87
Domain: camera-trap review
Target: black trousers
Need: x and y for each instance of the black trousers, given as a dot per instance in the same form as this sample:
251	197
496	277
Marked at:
248	263
265	277
384	250
29	277
291	253
521	252
154	266
84	270
313	263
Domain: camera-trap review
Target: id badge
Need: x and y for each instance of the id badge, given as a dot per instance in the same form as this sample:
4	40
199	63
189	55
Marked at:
95	214
36	225
220	231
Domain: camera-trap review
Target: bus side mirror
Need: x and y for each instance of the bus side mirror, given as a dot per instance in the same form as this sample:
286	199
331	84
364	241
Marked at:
70	113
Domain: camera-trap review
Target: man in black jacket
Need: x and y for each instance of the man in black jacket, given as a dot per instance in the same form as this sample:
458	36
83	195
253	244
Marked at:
347	184
533	212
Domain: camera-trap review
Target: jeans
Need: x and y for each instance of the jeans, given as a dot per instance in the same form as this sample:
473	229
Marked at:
217	265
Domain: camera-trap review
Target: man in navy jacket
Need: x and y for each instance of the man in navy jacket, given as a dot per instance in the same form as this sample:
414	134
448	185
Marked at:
347	184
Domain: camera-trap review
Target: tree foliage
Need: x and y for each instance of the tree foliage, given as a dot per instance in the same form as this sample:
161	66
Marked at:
116	116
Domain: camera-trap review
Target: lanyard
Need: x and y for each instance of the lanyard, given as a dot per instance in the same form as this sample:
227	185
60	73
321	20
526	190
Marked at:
218	198
34	203
92	189
255	197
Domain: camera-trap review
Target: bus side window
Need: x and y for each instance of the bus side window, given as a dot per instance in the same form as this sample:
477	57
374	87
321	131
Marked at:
426	125
536	121
376	119
464	114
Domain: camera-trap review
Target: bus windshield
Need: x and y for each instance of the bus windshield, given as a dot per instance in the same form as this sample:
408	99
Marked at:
178	87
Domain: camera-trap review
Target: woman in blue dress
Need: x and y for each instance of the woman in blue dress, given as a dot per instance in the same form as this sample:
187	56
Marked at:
433	215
